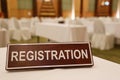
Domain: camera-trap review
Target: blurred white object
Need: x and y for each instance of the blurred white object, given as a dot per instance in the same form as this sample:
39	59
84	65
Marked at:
20	31
29	13
62	32
4	37
33	21
100	39
3	23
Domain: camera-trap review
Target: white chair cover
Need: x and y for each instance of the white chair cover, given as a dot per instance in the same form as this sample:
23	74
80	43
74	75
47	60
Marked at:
24	23
19	31
3	24
4	38
34	20
16	35
26	34
99	27
100	39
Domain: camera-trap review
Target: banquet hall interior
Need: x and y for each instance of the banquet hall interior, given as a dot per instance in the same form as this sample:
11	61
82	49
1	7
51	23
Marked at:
54	21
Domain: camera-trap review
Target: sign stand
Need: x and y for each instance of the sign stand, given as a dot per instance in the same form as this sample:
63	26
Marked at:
48	55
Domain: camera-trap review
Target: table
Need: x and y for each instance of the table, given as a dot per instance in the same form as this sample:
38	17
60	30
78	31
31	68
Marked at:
102	70
61	32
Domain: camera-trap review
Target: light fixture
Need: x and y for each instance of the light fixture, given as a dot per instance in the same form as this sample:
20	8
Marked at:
106	3
47	0
118	10
73	11
102	3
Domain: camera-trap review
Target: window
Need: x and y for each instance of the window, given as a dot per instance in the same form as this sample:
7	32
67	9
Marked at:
25	4
67	4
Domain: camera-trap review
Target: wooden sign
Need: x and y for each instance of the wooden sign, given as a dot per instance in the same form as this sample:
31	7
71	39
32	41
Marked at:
49	55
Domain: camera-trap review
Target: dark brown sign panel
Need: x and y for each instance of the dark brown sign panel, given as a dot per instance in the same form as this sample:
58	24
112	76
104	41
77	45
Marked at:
49	55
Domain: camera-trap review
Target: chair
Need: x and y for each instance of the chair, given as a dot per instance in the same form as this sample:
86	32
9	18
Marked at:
25	28
4	38
3	24
19	33
33	21
100	39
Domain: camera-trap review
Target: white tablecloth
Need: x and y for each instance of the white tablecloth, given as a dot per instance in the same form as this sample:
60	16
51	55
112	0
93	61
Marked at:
102	70
61	32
